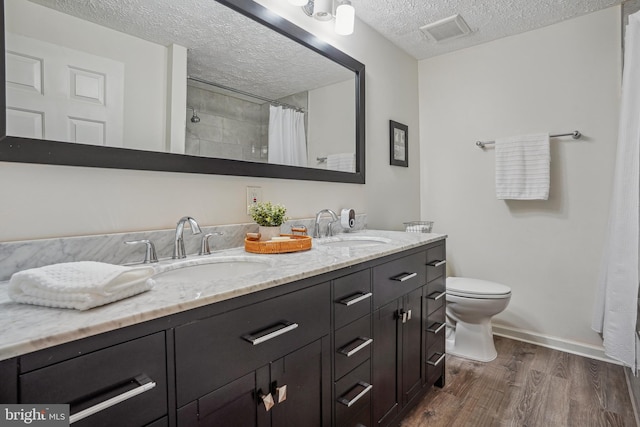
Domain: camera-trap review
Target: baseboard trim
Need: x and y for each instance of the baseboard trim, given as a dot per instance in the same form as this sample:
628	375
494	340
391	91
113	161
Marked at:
568	346
634	399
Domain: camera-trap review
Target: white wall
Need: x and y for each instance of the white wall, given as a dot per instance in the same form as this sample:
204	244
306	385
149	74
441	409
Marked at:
391	194
145	65
557	79
332	122
41	201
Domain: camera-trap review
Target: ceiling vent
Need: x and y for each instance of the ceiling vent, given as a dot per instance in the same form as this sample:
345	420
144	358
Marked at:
446	29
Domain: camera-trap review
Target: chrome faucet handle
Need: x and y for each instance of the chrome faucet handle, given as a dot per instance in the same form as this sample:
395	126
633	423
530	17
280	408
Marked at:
205	249
330	229
150	255
178	243
299	228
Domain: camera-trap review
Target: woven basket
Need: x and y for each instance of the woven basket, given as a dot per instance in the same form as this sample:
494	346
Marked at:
297	243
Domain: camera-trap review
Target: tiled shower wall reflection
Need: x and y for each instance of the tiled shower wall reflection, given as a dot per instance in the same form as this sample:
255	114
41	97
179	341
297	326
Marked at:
229	127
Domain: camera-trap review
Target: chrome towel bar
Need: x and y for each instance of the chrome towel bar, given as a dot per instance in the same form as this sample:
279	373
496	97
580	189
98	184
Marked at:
575	135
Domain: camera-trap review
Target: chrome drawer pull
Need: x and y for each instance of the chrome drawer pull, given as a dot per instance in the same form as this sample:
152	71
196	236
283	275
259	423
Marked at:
348	302
255	340
404	276
350	403
145	385
436	295
437	362
437	263
438	329
365	342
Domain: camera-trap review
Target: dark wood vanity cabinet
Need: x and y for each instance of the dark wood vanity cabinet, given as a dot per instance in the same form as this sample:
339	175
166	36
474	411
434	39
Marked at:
350	348
401	318
275	351
294	382
434	307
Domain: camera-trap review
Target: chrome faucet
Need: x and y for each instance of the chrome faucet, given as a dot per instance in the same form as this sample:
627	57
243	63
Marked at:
178	242
316	229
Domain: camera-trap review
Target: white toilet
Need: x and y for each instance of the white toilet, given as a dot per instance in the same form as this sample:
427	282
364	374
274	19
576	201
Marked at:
471	303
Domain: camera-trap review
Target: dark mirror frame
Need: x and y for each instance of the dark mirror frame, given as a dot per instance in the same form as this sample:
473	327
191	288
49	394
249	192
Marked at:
26	150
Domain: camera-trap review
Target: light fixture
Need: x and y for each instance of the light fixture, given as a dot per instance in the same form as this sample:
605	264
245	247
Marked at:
322	10
345	18
325	10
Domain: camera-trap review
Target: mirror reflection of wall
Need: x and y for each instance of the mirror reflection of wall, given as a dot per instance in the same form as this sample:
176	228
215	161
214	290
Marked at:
30	28
332	126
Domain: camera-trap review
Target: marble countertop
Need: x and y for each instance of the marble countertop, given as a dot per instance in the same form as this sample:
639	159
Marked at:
27	328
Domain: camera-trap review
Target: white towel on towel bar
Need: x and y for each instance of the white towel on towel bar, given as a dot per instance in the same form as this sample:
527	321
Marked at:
345	162
80	285
523	167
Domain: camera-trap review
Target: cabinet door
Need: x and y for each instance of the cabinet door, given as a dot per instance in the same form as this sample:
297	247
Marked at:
239	403
386	375
397	355
304	373
412	365
232	404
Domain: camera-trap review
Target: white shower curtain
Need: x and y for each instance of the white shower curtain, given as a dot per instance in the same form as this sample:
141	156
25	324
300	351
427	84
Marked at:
617	295
287	139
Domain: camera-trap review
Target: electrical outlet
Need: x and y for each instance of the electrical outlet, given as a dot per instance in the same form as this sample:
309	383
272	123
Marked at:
254	195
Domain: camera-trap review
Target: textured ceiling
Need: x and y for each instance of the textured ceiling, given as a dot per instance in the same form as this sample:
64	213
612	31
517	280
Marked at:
230	49
400	20
224	46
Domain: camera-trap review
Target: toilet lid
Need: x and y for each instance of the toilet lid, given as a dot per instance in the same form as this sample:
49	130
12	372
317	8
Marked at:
476	288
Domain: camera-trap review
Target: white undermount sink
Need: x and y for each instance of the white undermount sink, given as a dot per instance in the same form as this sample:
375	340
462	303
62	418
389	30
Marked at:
350	241
212	268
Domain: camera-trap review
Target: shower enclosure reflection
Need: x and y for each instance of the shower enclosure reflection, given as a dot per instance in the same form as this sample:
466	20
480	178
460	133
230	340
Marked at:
287	130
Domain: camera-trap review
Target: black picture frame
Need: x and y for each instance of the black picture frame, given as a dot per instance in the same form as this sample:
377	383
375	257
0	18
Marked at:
398	144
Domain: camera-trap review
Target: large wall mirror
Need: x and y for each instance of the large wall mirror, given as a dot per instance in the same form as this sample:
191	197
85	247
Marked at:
220	87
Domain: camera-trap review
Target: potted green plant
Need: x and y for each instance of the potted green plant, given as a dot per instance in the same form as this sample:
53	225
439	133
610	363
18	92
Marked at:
269	217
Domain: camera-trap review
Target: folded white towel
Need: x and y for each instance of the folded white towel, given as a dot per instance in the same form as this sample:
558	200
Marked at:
80	285
523	167
345	162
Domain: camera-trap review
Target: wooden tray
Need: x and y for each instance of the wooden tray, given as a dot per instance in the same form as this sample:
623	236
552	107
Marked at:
297	243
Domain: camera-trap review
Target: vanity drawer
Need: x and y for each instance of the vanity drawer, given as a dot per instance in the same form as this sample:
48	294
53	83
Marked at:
434	322
436	295
361	419
214	351
97	377
436	333
436	262
435	364
353	345
395	278
352	297
353	394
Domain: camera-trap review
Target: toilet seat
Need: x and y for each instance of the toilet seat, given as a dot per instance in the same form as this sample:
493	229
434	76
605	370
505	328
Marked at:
476	288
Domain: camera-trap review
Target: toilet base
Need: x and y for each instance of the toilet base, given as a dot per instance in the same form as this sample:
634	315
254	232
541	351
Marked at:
472	341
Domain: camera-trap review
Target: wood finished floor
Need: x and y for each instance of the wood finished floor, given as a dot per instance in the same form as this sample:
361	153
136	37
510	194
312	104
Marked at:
527	385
